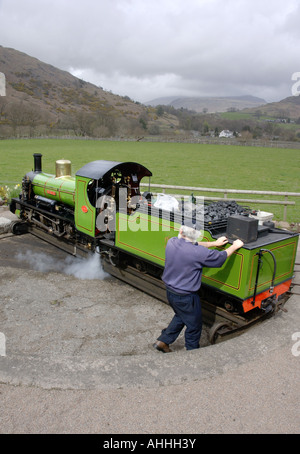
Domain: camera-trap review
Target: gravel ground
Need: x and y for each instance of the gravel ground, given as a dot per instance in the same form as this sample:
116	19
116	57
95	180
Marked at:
261	396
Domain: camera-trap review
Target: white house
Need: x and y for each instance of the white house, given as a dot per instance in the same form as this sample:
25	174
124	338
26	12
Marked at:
226	133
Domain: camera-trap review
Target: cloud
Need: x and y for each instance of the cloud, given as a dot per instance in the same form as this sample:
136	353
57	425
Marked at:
150	48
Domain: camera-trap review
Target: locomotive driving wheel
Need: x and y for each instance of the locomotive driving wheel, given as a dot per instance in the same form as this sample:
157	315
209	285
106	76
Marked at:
140	266
18	228
217	330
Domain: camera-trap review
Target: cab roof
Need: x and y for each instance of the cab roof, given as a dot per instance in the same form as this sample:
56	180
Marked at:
102	169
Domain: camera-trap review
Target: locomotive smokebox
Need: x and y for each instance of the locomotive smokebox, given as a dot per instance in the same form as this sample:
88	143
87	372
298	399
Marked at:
63	168
37	162
242	228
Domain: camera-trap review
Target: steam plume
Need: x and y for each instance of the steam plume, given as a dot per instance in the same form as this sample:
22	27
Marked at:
89	268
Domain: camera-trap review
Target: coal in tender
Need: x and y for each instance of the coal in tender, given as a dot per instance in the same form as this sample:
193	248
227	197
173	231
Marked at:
214	212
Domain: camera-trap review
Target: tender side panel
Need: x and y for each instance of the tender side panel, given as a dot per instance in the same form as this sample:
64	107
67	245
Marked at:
144	235
230	278
284	253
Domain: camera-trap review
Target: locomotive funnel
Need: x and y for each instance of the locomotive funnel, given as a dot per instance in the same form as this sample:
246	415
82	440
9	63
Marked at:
37	162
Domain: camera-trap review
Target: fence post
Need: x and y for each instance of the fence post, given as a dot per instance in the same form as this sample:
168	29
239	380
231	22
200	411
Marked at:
285	208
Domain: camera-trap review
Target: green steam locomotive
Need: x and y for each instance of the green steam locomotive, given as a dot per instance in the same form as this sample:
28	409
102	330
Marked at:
102	208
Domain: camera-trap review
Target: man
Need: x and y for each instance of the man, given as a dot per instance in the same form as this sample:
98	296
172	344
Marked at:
182	275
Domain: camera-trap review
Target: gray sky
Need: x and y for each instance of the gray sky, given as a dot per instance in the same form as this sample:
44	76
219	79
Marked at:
151	48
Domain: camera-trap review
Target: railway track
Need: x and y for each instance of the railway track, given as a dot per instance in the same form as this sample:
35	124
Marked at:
223	324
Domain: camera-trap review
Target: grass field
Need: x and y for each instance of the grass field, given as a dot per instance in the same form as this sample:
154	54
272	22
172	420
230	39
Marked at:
210	166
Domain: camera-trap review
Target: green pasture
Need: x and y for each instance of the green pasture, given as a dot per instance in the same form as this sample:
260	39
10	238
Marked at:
210	166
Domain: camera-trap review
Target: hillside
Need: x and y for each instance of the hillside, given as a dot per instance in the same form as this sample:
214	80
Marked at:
48	99
286	108
210	104
52	88
42	100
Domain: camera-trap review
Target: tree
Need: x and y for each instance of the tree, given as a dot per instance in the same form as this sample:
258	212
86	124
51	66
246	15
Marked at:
83	124
154	130
205	127
33	118
3	105
16	116
143	123
160	111
258	114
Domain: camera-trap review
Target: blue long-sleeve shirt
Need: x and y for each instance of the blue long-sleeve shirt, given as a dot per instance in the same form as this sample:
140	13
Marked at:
184	263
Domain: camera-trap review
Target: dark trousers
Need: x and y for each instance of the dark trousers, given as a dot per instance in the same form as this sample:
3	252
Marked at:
188	313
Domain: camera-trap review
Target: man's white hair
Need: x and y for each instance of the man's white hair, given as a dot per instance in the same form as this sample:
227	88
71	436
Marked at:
189	233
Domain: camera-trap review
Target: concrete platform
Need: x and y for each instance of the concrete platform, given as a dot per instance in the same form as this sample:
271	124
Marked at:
249	384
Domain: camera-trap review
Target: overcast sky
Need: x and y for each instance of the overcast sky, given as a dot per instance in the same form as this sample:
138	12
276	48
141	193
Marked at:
151	48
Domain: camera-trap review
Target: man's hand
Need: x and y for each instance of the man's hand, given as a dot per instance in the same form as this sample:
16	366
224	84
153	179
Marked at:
221	241
237	244
218	243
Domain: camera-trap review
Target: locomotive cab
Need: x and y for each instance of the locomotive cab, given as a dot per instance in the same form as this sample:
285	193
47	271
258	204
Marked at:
102	188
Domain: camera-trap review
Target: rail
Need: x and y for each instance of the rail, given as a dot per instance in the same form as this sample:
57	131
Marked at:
227	192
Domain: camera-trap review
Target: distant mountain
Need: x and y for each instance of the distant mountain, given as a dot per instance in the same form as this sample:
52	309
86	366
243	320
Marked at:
209	104
163	101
